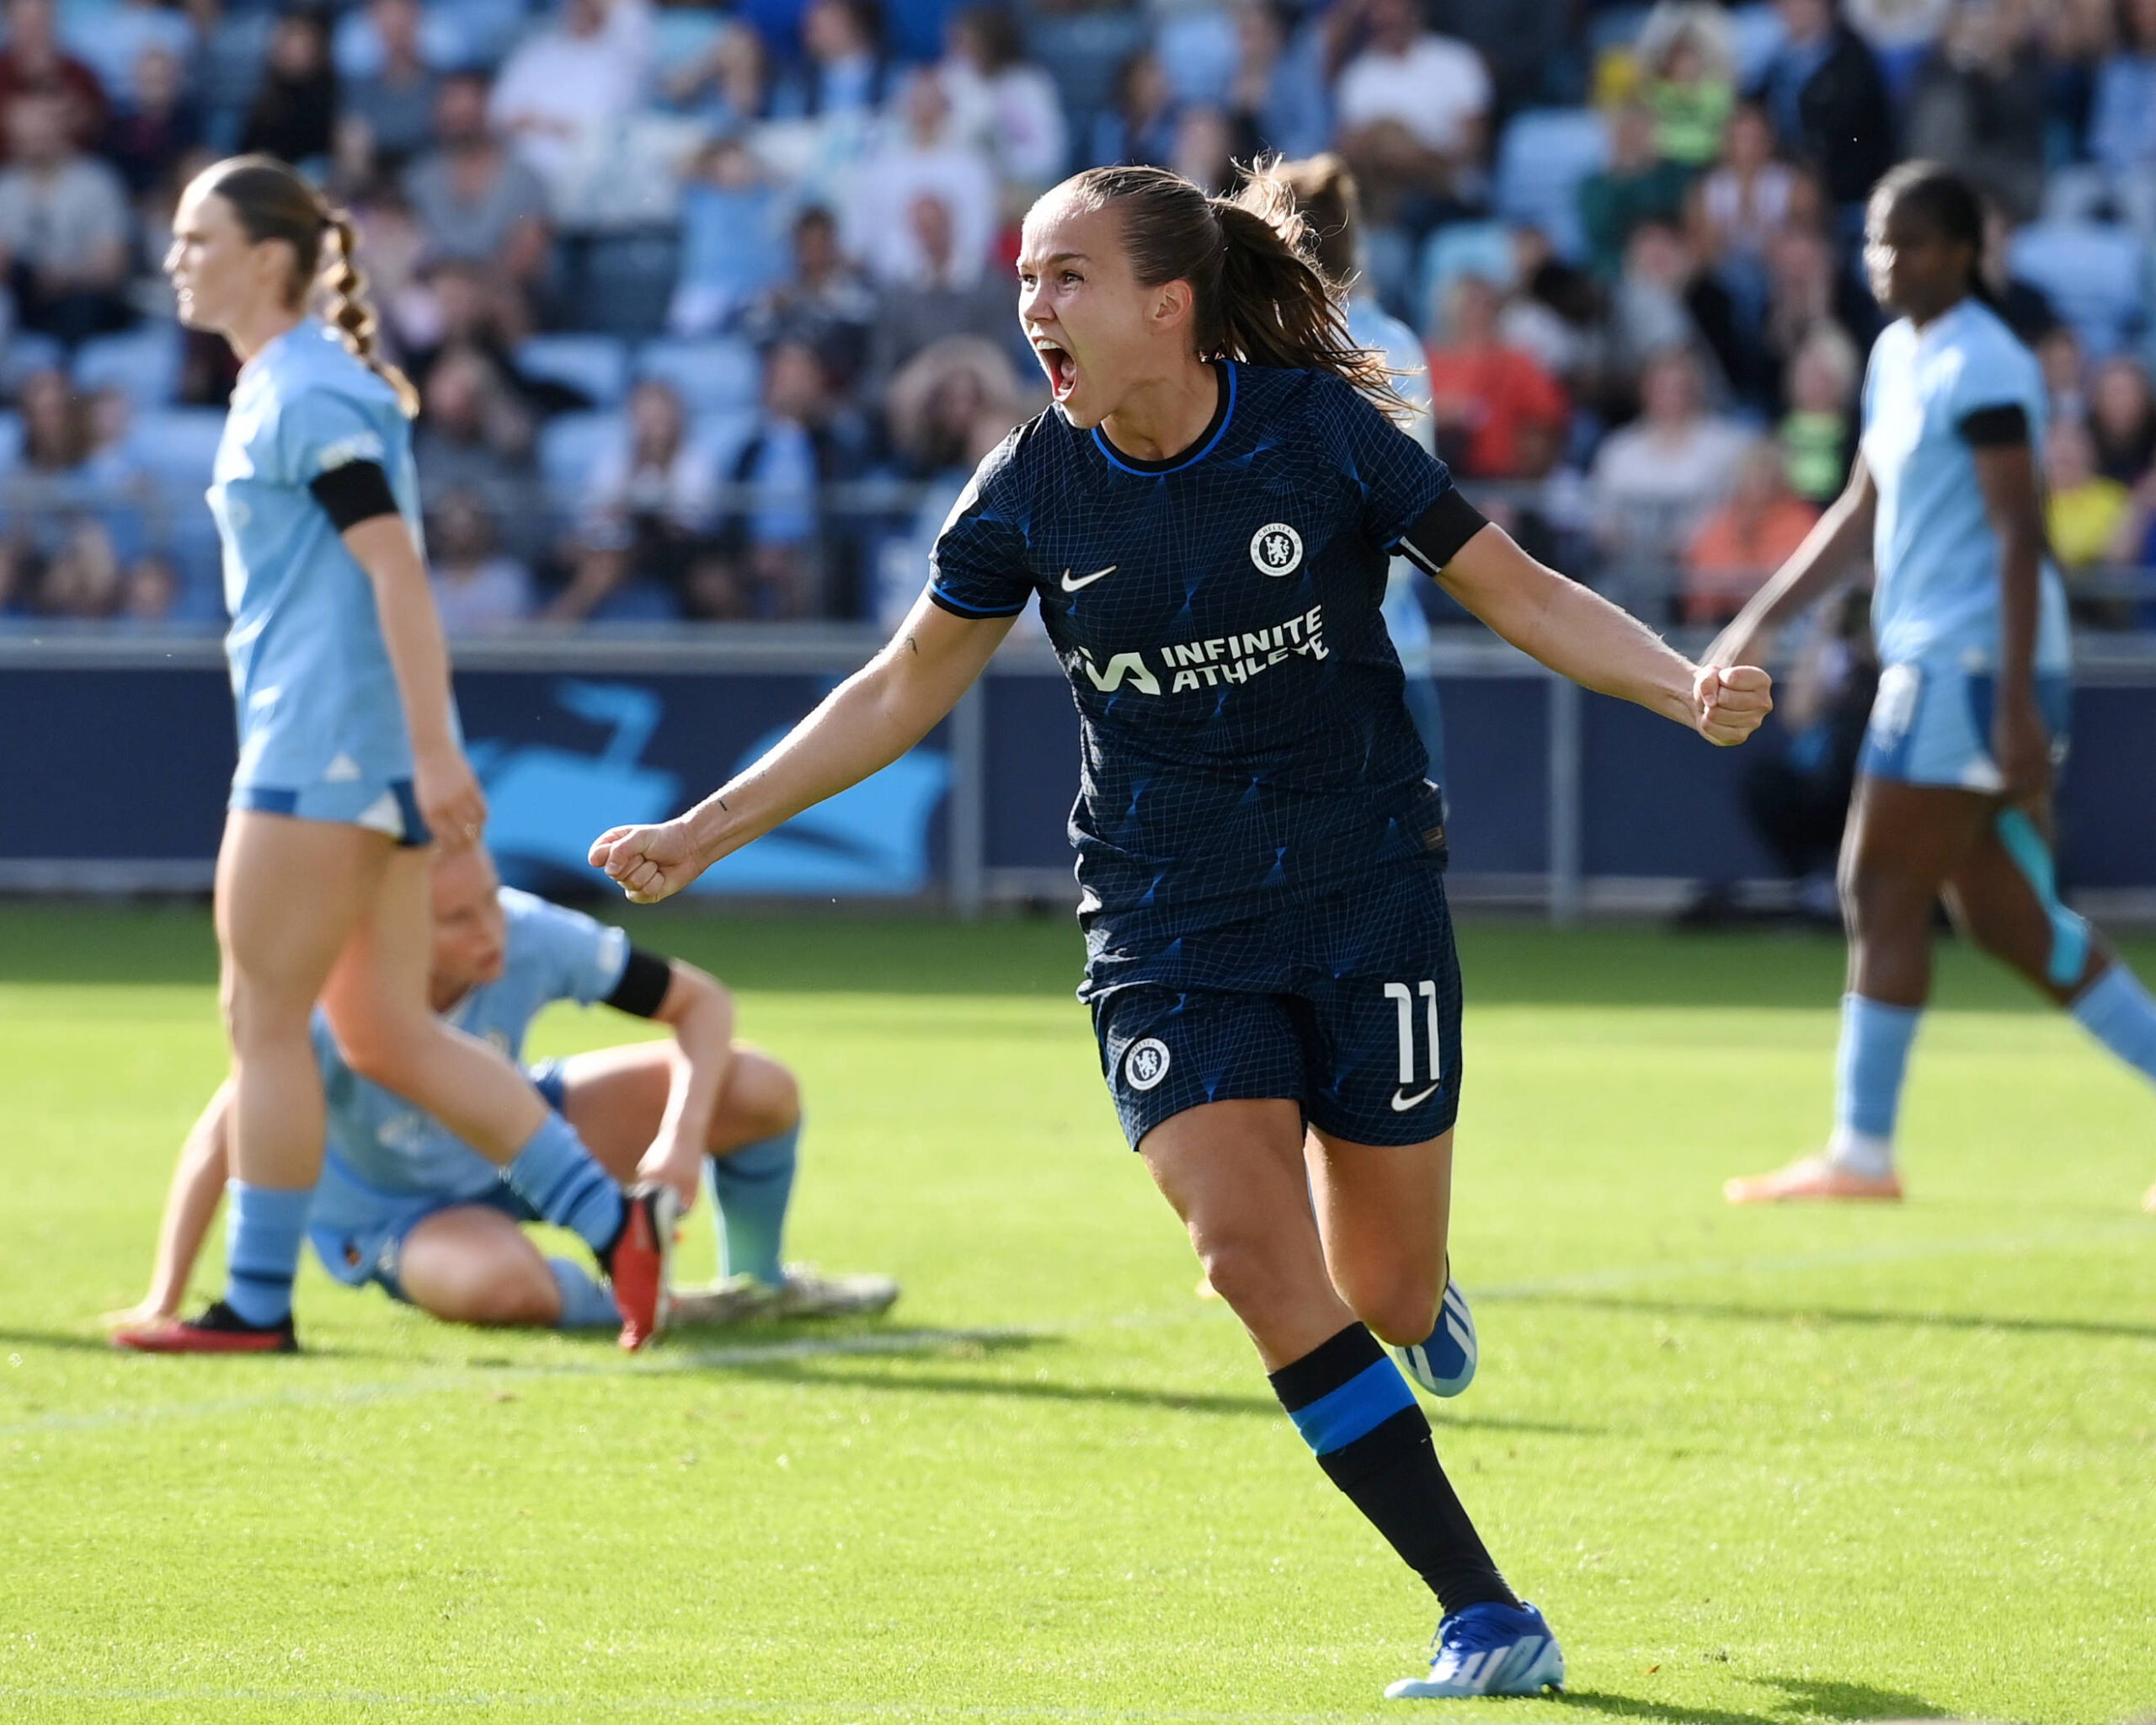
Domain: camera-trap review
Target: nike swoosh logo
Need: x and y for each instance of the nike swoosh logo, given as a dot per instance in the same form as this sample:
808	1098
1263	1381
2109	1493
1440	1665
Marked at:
1401	1104
1071	586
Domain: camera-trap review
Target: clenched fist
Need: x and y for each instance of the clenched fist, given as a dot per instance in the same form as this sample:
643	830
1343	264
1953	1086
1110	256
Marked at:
1730	702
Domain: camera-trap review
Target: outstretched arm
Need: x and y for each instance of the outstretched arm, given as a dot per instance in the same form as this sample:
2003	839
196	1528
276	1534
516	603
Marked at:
1579	634
1827	551
863	726
198	1183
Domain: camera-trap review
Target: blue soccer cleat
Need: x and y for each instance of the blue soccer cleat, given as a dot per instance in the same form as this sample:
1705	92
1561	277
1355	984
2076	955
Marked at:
1487	1649
1443	1363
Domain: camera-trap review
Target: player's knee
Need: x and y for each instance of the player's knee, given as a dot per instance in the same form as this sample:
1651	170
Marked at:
490	1295
1402	1313
256	1013
1880	903
1243	1268
766	1098
383	1047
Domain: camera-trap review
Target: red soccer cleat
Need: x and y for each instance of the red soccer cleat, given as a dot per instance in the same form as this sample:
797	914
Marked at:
639	1263
219	1330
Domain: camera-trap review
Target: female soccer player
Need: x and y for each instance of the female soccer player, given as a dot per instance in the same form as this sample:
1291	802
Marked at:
1205	517
403	1204
349	758
1954	784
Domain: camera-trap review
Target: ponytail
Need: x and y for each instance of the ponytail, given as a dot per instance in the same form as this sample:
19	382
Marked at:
351	313
272	201
1258	293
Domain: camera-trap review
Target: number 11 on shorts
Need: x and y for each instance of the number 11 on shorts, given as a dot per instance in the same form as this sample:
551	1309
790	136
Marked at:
1403	995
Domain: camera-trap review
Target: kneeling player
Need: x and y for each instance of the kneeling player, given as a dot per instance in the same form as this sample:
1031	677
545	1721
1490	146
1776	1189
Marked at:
404	1204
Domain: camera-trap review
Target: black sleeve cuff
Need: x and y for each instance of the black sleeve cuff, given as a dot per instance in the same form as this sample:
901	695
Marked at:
1445	526
356	492
2003	427
645	981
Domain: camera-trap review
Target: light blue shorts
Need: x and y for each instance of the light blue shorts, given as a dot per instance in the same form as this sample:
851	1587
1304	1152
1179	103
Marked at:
1931	723
380	805
359	1232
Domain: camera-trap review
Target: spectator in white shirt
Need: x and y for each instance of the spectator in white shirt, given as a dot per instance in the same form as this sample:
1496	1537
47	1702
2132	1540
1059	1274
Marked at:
1004	106
1413	112
648	510
1656	480
564	85
927	158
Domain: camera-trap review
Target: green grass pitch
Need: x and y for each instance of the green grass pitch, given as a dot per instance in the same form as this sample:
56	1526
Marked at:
1759	1467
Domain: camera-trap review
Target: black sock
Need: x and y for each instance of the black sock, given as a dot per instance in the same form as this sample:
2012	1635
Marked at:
1359	1417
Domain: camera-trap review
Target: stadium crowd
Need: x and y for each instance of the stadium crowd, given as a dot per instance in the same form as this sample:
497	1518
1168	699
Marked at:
710	310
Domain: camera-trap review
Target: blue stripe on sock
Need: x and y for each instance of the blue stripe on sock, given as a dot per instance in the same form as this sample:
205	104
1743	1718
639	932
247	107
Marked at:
1354	1410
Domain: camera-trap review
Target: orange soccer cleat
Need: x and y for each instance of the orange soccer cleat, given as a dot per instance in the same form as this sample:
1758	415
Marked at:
1812	1179
640	1261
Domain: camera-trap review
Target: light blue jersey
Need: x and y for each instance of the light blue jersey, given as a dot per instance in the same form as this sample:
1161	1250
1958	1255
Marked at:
1369	325
389	1147
1937	557
321	725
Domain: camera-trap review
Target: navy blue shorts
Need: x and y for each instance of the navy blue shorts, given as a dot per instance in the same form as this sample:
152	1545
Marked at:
1352	1012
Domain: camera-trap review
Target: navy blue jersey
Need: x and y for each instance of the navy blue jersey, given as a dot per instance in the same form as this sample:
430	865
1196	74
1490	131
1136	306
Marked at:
1244	736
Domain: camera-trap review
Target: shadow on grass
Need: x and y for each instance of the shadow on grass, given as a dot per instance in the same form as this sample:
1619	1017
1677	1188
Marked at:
1829	1318
1802	1698
822	1372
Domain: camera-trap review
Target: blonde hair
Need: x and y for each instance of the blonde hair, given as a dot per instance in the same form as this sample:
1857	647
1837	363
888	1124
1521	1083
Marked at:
273	201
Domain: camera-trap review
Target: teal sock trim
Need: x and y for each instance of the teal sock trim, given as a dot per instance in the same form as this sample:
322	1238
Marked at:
585	1304
2069	954
751	1188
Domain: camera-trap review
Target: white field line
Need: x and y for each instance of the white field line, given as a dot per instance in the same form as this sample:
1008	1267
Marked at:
666	1707
676	1361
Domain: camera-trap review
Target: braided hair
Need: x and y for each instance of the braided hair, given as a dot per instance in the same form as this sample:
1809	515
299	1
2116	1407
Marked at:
273	201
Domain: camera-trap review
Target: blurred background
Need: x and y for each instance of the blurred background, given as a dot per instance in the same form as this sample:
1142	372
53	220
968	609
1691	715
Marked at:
712	313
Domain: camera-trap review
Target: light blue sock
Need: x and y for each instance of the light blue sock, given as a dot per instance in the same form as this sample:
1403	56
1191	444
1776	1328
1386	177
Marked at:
2118	1011
751	1189
1875	1054
263	1231
585	1304
555	1174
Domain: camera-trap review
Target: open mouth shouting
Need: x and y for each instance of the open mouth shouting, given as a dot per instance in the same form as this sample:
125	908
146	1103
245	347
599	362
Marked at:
1062	370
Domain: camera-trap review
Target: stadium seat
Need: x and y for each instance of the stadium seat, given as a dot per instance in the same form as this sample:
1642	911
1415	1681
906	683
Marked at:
570	445
681	34
1198	53
2096	277
710	376
11	439
28	352
143	364
1543	155
596	366
177	447
623	282
1483	249
723	436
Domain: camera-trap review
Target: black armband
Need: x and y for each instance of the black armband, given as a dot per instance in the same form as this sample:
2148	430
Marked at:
355	492
645	981
1446	526
2006	426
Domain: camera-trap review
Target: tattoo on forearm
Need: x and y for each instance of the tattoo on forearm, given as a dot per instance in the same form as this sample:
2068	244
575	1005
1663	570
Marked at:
913	646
